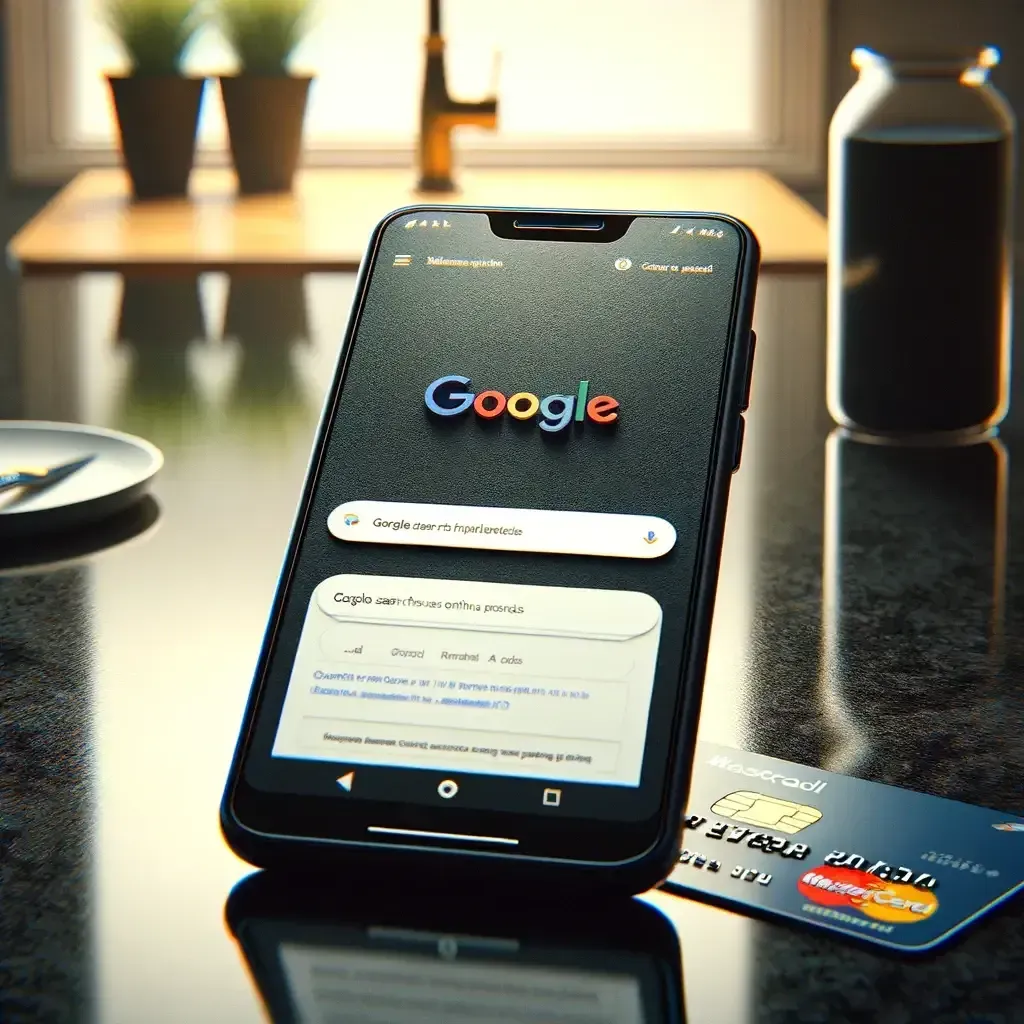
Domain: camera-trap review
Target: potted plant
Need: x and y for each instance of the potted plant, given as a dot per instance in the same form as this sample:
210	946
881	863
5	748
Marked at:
157	105
265	105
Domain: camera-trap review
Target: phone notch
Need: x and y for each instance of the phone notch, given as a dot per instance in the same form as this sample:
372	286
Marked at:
559	225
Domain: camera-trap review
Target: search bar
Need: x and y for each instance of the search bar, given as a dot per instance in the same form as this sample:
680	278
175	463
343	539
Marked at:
607	534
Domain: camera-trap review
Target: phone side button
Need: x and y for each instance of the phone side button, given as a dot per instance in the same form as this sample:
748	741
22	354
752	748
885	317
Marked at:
750	372
741	429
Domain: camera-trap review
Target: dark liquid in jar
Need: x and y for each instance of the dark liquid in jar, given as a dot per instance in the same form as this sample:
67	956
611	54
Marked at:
920	322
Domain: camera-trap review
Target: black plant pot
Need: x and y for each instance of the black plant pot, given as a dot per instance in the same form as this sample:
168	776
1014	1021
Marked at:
158	117
265	114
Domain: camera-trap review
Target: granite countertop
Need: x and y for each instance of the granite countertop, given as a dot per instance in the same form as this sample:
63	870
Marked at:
870	620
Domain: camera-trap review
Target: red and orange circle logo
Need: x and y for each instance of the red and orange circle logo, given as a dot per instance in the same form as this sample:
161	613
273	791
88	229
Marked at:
892	902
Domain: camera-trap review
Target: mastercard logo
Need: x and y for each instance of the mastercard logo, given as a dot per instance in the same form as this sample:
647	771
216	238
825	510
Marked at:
884	901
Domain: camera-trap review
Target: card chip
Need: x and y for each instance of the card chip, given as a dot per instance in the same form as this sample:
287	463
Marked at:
767	811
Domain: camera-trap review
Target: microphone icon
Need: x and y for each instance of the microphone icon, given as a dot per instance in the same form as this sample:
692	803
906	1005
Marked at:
651	537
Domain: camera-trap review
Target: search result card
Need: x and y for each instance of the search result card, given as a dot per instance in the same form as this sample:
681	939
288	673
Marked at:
522	681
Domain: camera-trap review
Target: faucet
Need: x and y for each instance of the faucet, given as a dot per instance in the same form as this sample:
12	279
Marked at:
439	114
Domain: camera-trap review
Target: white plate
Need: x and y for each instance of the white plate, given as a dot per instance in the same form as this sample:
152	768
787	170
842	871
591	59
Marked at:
120	473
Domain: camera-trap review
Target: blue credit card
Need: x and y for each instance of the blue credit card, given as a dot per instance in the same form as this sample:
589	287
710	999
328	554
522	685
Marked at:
887	865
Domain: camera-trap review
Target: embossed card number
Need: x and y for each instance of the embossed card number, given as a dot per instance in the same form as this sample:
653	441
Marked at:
754	840
886	872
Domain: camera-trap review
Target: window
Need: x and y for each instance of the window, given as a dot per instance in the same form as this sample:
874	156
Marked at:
580	82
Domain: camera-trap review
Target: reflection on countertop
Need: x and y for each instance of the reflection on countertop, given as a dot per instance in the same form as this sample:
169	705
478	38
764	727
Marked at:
870	619
410	954
50	552
915	541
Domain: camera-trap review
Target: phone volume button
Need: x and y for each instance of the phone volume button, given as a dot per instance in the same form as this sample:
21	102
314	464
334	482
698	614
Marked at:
741	429
750	373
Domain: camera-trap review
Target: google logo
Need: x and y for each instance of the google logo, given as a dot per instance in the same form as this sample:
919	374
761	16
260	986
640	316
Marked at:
444	397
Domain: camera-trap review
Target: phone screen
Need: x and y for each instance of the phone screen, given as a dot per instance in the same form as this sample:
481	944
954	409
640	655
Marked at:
485	620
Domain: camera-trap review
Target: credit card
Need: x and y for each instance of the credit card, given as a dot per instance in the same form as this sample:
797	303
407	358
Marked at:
901	869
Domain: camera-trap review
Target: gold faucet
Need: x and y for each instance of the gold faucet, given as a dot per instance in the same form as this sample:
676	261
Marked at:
439	114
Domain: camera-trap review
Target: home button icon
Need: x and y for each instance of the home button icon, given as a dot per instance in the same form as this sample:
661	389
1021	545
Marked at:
447	789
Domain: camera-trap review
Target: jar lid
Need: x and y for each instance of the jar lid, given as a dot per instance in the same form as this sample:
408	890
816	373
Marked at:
919	56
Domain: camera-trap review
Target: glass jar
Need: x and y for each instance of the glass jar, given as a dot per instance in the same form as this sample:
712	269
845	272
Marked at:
921	157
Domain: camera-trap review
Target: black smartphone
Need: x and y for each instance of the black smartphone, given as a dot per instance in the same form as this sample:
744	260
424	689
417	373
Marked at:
489	637
323	955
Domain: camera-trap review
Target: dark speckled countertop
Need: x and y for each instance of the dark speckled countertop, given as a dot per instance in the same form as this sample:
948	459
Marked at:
870	620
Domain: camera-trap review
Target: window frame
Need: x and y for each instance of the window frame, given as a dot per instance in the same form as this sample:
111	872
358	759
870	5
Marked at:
792	95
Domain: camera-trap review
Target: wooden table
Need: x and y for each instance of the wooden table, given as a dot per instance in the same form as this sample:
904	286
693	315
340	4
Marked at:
93	226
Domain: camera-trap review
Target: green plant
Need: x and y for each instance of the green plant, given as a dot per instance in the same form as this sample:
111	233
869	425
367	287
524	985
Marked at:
264	33
154	33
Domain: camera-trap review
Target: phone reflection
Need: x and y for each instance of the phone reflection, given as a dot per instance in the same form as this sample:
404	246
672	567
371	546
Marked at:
912	596
380	956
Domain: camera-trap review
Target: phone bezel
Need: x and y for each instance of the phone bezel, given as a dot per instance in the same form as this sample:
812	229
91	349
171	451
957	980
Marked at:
271	828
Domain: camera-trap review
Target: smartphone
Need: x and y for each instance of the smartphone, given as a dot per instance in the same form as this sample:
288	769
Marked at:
320	955
488	642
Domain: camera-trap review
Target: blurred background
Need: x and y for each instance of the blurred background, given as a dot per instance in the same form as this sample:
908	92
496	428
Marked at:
870	611
652	83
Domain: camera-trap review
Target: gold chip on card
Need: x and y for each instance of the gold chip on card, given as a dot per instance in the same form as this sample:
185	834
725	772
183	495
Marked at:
767	811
